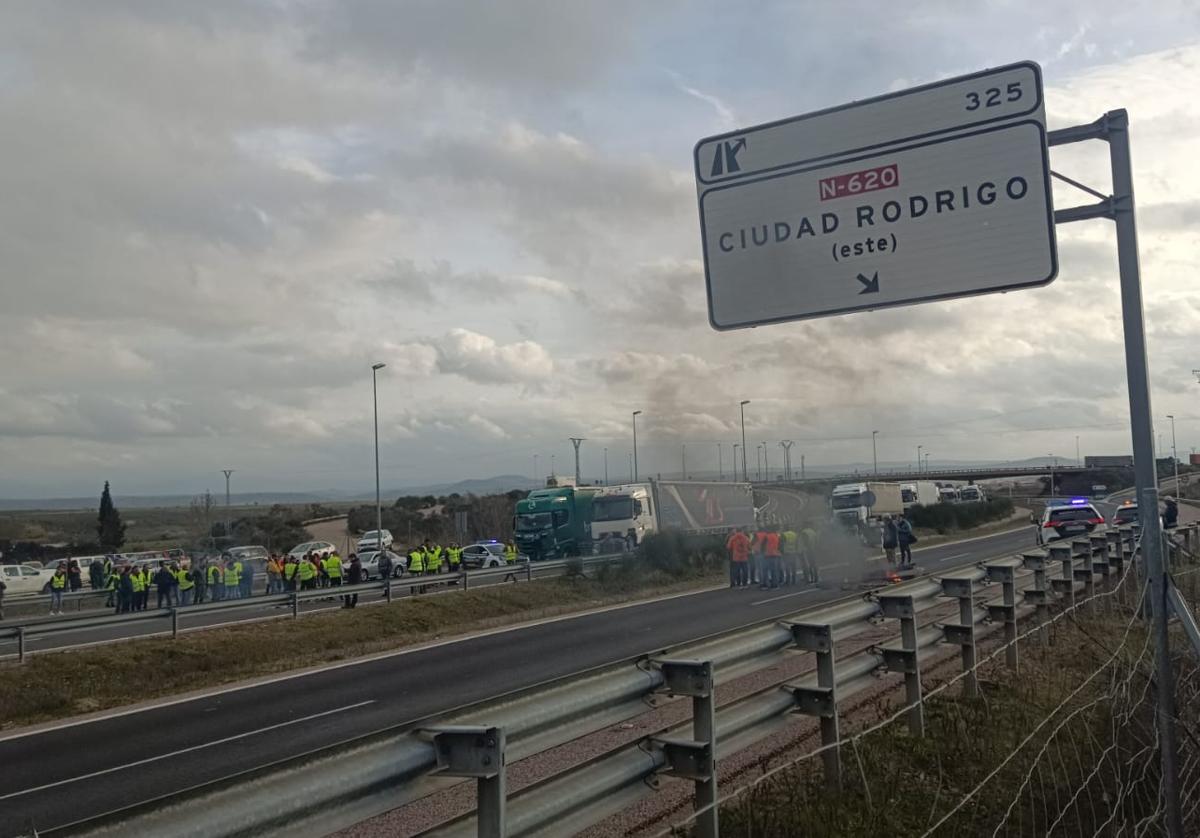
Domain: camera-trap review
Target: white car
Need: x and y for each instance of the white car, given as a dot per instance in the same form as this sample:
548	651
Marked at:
483	554
370	541
1063	520
25	579
370	565
321	548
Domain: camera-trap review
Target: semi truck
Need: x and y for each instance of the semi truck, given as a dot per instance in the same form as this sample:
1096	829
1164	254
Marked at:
859	504
923	493
629	512
554	522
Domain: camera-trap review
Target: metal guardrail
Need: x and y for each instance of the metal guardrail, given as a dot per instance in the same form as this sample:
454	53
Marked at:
22	630
339	785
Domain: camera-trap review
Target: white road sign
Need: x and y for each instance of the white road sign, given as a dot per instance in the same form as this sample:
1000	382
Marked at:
937	192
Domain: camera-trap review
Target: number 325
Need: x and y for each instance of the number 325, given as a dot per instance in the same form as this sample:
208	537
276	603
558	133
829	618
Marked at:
993	96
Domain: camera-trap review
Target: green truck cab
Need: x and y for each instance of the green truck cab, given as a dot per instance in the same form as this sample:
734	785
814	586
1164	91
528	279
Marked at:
555	522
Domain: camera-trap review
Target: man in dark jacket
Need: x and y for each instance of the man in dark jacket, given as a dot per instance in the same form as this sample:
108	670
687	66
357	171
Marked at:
890	539
905	539
166	583
355	577
96	574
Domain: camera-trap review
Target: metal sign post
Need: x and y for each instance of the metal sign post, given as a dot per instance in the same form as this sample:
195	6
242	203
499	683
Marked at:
1113	128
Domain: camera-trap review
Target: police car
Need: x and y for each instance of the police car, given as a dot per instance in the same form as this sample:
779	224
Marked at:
483	554
1127	513
1066	519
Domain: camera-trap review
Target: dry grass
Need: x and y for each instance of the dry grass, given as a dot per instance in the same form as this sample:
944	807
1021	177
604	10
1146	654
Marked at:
55	685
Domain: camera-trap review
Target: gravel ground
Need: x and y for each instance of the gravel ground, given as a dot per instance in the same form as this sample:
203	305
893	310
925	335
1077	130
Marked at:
674	796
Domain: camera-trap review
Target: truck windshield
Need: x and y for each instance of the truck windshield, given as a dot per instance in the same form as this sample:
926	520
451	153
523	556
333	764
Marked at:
616	508
533	521
847	501
970	494
908	495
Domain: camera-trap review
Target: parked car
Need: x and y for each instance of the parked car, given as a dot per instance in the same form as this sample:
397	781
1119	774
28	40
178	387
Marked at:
254	556
483	554
26	579
321	548
370	540
370	564
1063	520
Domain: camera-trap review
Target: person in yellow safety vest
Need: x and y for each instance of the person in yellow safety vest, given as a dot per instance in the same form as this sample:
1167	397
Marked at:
416	561
289	573
111	586
233	579
510	553
454	556
307	572
791	554
185	586
58	585
216	581
333	569
430	560
135	578
437	558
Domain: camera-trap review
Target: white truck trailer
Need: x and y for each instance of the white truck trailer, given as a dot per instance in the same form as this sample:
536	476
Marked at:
857	504
923	493
632	511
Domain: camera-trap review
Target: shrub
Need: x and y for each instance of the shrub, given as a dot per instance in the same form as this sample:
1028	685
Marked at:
944	517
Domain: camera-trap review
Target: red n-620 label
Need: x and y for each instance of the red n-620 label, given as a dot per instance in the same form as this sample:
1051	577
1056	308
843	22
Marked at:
852	183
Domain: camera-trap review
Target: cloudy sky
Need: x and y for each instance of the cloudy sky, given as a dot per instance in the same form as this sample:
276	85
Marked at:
217	216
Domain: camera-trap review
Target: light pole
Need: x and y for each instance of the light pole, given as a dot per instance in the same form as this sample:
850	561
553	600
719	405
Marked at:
375	368
1174	452
874	455
735	450
577	441
919	447
745	474
227	472
801	466
631	480
635	463
786	445
926	463
720	463
1078	461
758	461
536	472
766	464
606	466
1053	463
683	458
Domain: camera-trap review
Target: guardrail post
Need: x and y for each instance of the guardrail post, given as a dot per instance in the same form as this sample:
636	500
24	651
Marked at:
174	622
20	644
387	589
963	634
1085	574
696	759
821	701
906	659
476	751
1064	584
528	570
1116	556
295	605
464	578
1007	610
1038	595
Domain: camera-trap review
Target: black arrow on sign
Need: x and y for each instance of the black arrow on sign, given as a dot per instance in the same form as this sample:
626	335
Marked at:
870	286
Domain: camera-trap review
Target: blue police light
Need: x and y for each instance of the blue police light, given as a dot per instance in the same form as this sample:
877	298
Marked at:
1077	501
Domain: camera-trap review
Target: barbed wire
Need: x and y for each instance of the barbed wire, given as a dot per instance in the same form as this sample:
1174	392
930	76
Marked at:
987	660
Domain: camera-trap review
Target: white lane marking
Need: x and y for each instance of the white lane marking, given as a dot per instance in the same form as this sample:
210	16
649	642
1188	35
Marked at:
200	747
314	670
785	596
976	538
956	556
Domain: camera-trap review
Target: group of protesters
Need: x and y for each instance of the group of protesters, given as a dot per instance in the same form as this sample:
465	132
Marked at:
773	556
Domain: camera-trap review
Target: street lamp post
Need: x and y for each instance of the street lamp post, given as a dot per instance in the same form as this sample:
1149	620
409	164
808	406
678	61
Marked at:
735	450
919	447
926	463
635	462
786	445
1174	452
766	463
1053	463
1078	461
745	474
375	368
683	458
605	466
874	454
720	463
227	472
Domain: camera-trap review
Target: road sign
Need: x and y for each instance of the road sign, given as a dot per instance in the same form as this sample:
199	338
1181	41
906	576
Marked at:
932	193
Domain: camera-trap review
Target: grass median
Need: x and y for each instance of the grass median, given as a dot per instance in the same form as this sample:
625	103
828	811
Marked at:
55	685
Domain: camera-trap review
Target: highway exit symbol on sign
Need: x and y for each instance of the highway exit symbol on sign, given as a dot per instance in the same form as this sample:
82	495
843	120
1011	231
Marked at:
932	193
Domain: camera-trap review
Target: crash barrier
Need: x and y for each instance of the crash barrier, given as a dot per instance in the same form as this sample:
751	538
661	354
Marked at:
342	784
176	617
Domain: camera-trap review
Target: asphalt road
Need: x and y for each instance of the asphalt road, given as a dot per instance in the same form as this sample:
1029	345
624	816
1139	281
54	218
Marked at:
57	776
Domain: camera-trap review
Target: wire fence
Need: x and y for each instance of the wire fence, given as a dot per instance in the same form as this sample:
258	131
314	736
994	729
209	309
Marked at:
1066	745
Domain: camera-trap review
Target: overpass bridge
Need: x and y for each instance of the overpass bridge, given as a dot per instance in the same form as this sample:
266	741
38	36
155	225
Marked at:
909	475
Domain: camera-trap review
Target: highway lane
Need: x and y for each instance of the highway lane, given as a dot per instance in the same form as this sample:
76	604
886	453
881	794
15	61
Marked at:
53	777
